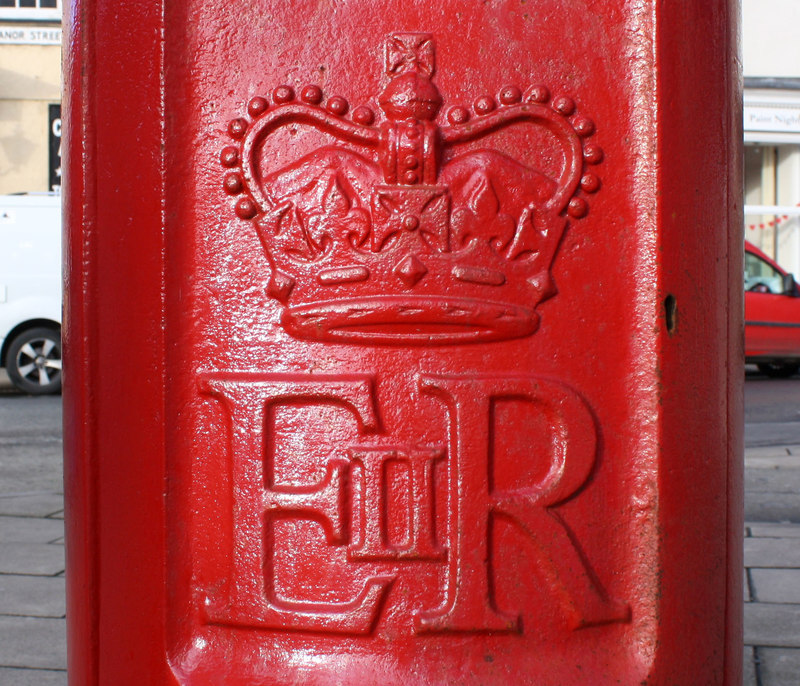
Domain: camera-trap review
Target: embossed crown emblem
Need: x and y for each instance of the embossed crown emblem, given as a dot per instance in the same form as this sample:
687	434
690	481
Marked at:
403	233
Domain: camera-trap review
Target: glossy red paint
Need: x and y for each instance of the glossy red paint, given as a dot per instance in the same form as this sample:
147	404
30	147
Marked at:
382	361
772	315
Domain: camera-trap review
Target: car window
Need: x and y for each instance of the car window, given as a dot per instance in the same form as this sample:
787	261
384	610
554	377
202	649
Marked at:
760	276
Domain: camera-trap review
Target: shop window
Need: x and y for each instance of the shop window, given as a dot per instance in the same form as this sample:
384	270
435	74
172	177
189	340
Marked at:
772	200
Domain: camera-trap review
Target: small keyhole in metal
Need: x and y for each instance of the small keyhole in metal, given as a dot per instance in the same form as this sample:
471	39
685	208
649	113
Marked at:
670	313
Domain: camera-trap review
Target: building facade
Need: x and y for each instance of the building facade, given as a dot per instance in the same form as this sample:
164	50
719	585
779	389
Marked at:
771	63
30	95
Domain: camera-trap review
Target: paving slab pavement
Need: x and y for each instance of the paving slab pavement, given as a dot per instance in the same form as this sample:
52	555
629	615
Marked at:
772	603
36	504
772	484
775	625
770	552
779	667
775	585
10	676
32	596
32	606
33	642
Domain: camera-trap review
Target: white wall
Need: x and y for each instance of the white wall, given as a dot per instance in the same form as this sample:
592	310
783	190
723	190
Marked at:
771	38
31	79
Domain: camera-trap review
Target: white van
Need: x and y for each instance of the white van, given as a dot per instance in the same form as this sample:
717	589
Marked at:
30	291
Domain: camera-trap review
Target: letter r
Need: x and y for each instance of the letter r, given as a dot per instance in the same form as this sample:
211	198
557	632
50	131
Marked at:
468	605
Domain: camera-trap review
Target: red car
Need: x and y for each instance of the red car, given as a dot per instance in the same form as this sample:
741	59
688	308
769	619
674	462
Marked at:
772	315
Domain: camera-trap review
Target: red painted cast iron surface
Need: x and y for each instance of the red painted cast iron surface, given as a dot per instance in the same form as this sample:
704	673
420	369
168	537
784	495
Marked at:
404	343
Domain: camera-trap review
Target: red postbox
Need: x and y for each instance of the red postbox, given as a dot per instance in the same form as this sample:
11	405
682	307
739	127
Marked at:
403	343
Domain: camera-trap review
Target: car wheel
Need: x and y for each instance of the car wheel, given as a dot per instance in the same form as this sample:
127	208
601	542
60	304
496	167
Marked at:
779	370
33	361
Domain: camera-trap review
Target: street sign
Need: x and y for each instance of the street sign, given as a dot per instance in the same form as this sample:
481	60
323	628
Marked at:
54	146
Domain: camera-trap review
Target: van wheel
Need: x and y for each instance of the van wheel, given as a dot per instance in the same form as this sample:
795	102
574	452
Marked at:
779	370
33	361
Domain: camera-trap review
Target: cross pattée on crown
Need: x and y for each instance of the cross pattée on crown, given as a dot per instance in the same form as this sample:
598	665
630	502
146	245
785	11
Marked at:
410	52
